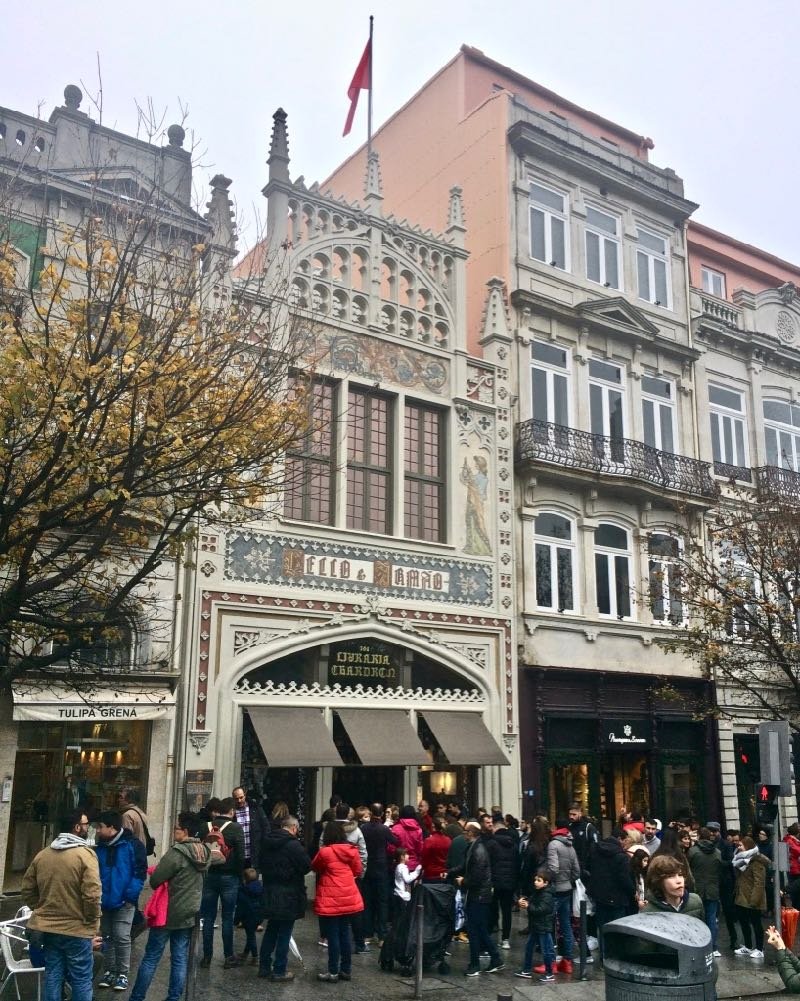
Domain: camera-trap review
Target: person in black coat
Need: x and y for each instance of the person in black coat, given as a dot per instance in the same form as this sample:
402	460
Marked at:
380	843
284	866
611	885
475	878
505	877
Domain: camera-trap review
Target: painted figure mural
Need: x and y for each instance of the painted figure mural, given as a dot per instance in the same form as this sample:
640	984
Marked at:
477	483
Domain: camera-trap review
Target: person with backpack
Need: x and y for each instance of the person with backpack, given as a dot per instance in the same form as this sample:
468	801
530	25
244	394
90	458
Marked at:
225	840
180	870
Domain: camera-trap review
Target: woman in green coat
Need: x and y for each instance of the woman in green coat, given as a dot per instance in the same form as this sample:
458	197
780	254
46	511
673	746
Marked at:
750	867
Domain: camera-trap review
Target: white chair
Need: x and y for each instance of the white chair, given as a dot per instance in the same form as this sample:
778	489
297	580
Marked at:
12	936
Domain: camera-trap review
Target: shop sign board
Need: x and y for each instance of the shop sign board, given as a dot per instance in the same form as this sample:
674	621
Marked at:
66	706
627	734
360	662
197	789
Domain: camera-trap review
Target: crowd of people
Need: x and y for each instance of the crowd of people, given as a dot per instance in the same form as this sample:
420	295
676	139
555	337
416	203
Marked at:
235	863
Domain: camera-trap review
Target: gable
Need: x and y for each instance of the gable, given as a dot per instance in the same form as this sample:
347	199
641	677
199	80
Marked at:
617	314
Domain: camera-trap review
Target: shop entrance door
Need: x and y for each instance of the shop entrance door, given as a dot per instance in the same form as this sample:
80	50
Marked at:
35	805
625	785
569	778
359	785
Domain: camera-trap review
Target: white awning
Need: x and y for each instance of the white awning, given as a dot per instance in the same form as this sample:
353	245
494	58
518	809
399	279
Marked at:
62	704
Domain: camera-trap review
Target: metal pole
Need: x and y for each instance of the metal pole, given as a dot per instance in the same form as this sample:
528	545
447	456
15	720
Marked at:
419	903
583	951
776	876
190	990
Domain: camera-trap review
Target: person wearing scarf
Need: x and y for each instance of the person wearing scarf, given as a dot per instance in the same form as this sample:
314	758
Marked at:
750	868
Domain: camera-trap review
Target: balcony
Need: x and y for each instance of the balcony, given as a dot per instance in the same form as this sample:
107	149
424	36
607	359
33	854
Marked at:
774	483
566	448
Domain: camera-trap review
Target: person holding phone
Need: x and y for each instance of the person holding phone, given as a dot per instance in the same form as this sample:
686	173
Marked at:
788	964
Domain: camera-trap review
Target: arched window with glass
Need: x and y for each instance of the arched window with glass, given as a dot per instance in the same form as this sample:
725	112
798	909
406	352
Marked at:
782	434
612	565
554	562
667	602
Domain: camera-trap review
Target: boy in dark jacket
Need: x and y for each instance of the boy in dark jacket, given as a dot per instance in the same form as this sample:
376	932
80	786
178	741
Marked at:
181	868
123	868
541	911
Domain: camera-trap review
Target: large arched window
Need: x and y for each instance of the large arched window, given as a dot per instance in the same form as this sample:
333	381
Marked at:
612	564
782	434
554	562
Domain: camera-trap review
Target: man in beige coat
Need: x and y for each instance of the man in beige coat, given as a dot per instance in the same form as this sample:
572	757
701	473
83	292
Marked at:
62	886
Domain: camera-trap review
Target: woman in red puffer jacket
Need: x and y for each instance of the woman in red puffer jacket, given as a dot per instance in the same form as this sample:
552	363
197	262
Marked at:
337	865
434	853
409	836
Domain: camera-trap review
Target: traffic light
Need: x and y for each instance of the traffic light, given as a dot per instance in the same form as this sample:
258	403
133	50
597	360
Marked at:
766	803
775	754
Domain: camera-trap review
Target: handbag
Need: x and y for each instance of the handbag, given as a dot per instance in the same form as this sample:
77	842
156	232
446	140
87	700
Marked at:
579	894
460	915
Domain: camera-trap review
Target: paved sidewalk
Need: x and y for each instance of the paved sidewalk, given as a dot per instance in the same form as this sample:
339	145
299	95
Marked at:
738	979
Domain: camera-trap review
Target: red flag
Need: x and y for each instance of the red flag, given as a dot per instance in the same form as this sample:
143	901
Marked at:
361	81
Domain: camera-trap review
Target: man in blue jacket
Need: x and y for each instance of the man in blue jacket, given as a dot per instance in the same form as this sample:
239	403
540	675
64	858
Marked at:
123	869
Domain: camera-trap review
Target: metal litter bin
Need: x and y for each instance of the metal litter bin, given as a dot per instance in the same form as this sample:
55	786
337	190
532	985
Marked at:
658	955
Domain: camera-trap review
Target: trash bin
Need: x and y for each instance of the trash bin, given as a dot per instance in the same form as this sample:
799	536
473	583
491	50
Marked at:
657	955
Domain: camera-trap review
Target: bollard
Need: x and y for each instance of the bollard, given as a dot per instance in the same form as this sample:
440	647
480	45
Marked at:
419	903
504	996
191	979
583	949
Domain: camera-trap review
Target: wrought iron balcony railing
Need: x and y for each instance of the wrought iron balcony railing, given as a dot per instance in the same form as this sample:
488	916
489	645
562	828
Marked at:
742	473
772	481
538	441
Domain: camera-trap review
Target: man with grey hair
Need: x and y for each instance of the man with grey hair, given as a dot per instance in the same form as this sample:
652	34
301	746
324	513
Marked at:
284	864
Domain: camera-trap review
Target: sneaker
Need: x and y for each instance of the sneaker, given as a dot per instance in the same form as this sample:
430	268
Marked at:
547	978
345	976
472	971
282	978
121	983
485	955
539	969
756	954
716	954
565	966
361	949
496	967
323	942
231	962
108	979
524	973
328	978
742	951
505	944
463	937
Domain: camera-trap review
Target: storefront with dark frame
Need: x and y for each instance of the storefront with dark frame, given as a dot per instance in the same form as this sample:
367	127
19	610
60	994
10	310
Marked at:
614	741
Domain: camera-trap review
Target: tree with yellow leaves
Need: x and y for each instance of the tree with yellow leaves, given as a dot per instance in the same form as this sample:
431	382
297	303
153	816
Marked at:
139	395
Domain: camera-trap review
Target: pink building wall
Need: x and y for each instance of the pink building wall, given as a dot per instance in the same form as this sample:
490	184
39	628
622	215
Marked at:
743	265
458	120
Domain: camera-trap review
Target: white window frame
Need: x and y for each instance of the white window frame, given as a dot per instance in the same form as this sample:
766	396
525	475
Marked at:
552	372
554	545
652	257
721	416
668	567
778	429
549	214
709	278
616	449
659	402
610	555
604	237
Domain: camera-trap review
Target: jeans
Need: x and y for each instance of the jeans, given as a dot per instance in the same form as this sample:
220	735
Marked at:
376	898
477	916
502	903
563	901
276	939
225	887
179	939
116	930
604	914
712	920
545	942
67	957
340	950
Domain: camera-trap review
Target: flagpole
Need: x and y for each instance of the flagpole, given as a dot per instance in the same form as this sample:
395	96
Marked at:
369	92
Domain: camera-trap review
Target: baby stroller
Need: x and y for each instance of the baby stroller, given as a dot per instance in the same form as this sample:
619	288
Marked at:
438	918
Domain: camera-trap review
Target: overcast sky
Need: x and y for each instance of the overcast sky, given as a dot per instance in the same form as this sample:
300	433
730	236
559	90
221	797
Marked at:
713	82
